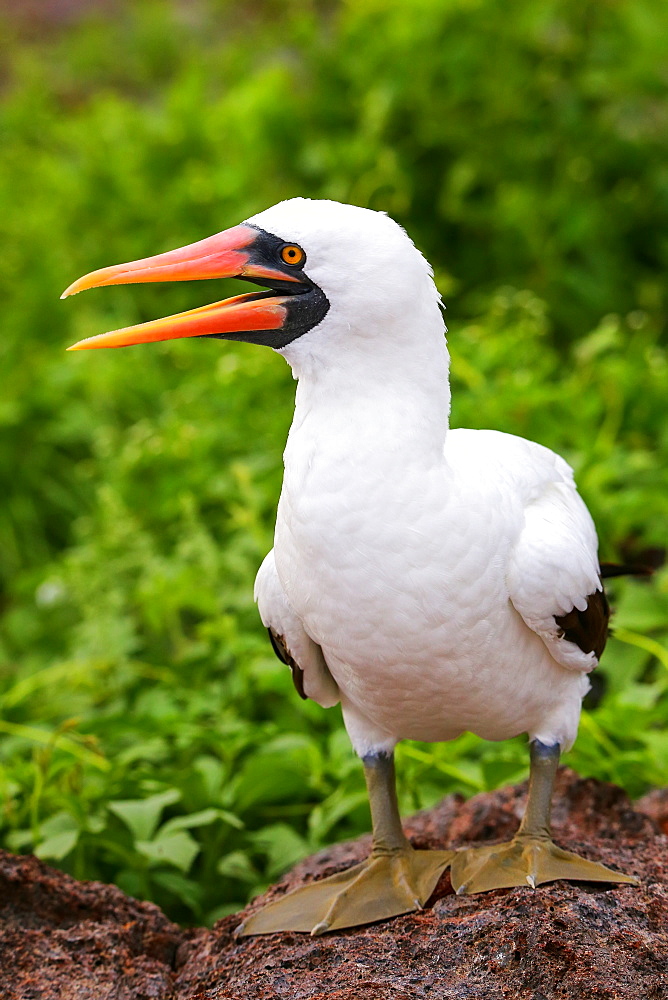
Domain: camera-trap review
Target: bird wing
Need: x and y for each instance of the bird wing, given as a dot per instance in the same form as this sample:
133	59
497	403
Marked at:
290	641
554	576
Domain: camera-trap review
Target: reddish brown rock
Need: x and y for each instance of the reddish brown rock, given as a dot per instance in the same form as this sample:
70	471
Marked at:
60	938
655	804
71	940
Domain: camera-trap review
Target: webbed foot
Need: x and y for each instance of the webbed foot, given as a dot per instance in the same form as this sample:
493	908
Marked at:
383	886
525	860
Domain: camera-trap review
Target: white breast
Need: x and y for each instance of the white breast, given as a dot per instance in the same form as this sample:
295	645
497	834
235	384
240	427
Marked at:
396	561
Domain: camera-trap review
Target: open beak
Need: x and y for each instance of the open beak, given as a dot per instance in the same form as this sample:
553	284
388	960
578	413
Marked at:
234	253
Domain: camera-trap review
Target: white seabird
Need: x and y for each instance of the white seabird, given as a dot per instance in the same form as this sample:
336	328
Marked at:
432	581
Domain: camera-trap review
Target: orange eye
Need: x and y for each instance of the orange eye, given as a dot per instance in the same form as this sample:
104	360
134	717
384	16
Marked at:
292	254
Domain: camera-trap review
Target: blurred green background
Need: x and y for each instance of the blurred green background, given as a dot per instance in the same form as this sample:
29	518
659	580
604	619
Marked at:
147	734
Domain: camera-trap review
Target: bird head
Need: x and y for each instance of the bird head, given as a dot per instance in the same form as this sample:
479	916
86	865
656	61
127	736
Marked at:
329	272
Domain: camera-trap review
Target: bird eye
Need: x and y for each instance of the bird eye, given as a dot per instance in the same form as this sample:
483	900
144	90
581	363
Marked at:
292	254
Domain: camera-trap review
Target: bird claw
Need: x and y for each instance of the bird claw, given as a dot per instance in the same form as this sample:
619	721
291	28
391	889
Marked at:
320	928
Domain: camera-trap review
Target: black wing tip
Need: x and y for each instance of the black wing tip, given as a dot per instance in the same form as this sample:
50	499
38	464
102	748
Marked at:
587	629
609	569
283	653
278	647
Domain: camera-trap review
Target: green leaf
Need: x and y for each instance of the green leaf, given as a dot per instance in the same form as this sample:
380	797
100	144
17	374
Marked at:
19	840
60	822
641	608
142	816
280	771
57	846
334	808
282	845
59	834
185	889
178	849
237	865
203	818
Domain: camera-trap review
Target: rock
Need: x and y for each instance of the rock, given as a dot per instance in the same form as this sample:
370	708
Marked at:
655	804
71	940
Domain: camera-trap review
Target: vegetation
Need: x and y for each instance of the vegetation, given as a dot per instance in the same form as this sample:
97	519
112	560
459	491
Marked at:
147	733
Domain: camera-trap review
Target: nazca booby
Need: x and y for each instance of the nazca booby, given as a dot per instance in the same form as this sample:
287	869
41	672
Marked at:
430	580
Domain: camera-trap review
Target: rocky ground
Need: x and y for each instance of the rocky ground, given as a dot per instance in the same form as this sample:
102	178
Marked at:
71	940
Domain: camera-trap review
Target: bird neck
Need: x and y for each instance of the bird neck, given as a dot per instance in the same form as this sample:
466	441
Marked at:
393	401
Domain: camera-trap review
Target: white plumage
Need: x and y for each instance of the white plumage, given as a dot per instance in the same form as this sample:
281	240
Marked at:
426	564
431	580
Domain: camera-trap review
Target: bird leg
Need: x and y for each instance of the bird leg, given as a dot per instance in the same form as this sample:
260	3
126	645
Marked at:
531	857
394	879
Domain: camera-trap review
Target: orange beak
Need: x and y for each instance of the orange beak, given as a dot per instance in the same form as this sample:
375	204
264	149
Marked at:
229	254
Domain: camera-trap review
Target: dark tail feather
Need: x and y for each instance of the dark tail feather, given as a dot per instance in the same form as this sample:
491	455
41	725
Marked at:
618	569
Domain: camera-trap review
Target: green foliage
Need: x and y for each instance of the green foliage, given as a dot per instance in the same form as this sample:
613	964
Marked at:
148	735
